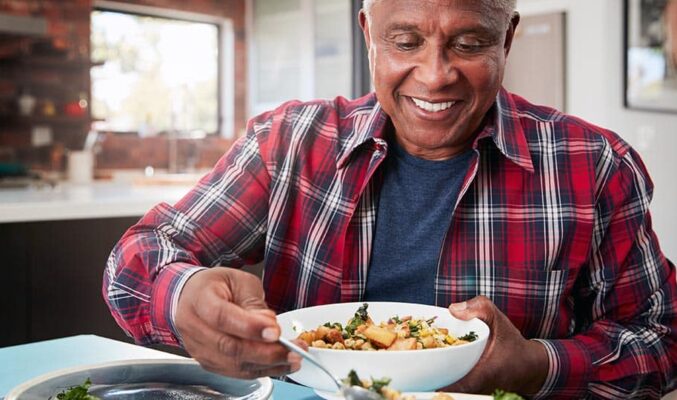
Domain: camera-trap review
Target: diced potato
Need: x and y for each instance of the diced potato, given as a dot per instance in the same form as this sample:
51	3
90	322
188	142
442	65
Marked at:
403	344
428	342
442	396
443	331
307	336
360	328
380	337
333	336
321	332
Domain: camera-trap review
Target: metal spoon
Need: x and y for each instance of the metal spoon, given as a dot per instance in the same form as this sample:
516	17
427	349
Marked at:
349	392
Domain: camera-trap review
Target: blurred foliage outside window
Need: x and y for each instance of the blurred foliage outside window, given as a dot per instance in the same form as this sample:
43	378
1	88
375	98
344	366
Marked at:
159	74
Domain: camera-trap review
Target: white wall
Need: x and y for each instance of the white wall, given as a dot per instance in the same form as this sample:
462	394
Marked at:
595	92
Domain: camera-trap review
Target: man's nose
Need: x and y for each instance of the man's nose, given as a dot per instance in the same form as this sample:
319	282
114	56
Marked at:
436	69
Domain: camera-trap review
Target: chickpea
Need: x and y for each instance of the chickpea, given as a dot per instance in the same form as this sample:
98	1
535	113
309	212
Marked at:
338	346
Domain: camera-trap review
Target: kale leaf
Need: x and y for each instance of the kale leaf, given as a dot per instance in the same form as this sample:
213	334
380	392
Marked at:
470	337
77	392
503	395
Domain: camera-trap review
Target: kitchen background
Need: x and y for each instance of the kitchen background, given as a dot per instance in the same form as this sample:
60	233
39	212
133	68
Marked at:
107	108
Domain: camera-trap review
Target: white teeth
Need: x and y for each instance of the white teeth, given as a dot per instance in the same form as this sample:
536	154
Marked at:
432	107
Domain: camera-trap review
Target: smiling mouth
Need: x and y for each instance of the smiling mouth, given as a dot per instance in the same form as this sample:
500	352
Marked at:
432	107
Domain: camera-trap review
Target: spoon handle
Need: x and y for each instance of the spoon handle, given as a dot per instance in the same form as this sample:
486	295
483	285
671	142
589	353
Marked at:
295	348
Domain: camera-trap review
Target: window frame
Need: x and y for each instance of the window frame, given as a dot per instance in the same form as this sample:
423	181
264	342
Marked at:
226	51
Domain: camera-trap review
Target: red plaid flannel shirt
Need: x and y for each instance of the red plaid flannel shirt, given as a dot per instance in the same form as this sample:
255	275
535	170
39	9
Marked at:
552	224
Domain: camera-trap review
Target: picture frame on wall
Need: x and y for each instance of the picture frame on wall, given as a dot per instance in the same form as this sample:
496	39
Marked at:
650	68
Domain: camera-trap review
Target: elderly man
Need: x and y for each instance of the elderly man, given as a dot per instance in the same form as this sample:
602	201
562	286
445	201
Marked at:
440	188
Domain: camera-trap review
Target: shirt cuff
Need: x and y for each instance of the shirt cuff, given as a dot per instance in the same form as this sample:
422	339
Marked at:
569	370
167	288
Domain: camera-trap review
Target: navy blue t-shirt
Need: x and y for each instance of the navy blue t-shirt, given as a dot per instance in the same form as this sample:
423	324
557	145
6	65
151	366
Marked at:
414	212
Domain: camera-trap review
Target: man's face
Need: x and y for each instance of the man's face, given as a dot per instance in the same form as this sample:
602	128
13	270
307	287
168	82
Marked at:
437	66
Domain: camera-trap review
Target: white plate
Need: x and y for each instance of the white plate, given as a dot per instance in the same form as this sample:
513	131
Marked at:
419	395
176	374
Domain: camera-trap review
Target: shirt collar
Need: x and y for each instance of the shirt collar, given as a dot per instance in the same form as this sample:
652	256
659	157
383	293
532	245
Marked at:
502	125
368	127
505	128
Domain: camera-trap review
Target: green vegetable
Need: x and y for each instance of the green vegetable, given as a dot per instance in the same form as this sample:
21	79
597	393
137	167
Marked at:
470	337
414	328
358	319
353	379
335	325
503	395
378	384
77	392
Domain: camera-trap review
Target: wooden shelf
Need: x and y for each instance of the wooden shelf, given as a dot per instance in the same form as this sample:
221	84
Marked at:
51	62
44	120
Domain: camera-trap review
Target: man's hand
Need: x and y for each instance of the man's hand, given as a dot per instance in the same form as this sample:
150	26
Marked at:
225	325
509	362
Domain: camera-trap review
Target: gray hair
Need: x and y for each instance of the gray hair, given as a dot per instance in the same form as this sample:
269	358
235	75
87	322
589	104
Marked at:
506	6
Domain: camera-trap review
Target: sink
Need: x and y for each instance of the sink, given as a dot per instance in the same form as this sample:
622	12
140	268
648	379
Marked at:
157	178
187	179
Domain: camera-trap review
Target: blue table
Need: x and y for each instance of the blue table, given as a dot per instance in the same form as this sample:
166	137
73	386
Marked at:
21	363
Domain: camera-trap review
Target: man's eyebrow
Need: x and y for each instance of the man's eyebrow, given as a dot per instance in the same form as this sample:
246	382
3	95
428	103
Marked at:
410	27
401	26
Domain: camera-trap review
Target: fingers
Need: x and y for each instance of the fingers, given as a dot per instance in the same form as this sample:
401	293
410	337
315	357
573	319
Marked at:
231	319
231	302
246	289
237	357
477	307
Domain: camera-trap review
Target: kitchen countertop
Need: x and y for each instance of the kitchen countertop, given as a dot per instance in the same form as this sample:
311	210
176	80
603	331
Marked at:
99	199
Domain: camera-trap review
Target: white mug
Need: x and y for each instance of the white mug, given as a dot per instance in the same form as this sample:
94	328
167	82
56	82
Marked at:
80	166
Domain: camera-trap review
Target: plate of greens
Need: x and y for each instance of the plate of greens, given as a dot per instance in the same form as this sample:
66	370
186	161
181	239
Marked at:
140	380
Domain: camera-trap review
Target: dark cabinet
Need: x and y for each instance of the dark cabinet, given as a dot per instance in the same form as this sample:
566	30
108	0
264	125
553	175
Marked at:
51	279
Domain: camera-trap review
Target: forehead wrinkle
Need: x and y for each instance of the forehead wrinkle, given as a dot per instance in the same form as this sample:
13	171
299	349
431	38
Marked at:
433	22
485	12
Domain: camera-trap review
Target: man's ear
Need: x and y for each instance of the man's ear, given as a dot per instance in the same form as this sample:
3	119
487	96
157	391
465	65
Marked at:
510	34
364	24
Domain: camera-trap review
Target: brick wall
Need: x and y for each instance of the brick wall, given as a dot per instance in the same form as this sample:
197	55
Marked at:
67	41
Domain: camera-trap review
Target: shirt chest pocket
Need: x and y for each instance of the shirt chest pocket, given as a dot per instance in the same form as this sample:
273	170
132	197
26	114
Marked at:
537	301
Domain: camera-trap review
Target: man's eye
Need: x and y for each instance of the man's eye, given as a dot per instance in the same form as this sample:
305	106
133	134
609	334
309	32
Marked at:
406	46
469	47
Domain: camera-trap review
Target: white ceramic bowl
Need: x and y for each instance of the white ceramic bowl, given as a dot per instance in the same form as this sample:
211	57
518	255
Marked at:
410	371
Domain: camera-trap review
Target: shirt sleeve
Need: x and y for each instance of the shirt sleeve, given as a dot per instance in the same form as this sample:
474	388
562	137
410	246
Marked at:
625	304
221	221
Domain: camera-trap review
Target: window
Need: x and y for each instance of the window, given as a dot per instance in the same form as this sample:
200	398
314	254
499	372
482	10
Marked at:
160	73
301	49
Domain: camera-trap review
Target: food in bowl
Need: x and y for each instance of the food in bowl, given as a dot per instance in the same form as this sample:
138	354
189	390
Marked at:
380	387
411	371
361	333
